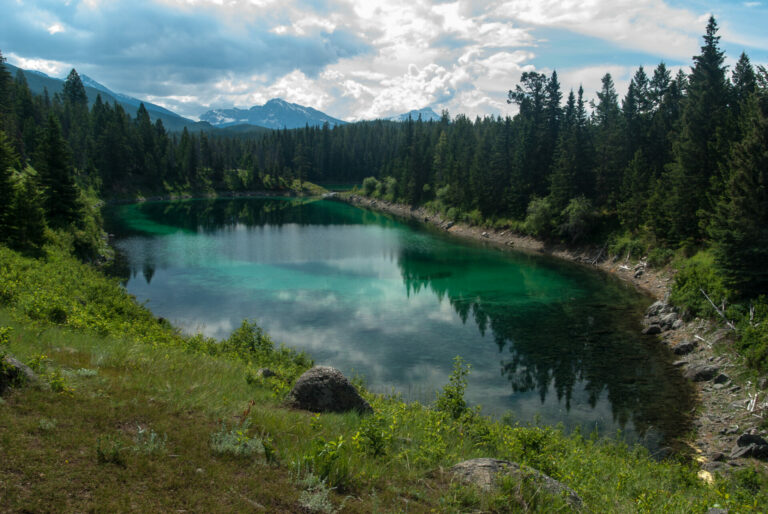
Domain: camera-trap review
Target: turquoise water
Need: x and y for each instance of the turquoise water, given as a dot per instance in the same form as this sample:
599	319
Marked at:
548	341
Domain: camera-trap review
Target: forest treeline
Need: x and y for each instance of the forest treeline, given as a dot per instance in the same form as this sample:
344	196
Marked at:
678	162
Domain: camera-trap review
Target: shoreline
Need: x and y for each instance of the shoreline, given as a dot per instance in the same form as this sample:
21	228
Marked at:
722	412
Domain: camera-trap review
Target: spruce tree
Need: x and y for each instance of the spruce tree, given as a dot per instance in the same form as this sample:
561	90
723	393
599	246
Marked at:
702	144
608	144
74	91
7	161
740	227
53	163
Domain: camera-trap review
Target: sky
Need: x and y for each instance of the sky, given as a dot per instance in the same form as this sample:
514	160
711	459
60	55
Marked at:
364	59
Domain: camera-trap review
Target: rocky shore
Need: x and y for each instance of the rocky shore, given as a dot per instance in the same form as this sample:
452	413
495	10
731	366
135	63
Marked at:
731	408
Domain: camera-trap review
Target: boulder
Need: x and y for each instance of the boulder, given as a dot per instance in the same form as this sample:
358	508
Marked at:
483	473
722	378
678	324
265	373
667	320
652	330
750	445
684	347
701	373
655	308
326	389
14	373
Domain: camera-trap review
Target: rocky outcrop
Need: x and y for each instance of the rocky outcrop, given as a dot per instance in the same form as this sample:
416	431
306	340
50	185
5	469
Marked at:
484	473
326	389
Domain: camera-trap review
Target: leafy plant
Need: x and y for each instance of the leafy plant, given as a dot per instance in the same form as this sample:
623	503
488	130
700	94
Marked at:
149	442
451	399
235	441
109	450
327	460
373	436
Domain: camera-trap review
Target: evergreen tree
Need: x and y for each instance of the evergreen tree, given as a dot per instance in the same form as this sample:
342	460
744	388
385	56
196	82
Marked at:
608	144
7	161
740	227
744	82
702	144
73	90
61	196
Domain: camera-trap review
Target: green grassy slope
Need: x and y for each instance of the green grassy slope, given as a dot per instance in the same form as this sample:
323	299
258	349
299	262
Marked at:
134	416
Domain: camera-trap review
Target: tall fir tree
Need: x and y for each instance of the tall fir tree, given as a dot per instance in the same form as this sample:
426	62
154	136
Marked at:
740	227
53	162
702	143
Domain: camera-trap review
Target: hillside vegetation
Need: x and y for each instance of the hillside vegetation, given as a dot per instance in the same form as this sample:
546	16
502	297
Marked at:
132	415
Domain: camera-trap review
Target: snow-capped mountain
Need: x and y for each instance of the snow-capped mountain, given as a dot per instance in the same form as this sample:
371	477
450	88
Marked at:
427	114
276	114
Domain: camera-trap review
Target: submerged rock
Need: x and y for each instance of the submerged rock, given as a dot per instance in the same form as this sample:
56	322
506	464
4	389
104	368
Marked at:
484	473
326	389
652	330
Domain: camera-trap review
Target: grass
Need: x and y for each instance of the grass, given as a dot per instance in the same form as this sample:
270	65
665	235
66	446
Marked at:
131	422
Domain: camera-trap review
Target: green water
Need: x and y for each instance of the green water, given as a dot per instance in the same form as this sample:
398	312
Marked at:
395	302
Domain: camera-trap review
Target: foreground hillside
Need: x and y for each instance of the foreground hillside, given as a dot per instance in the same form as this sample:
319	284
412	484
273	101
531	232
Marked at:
130	415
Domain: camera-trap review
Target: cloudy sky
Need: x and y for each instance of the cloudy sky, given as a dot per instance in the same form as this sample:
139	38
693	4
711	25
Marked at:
363	59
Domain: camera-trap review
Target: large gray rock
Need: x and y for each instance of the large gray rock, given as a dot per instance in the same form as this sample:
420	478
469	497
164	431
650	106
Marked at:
326	389
701	373
484	472
14	373
684	347
750	445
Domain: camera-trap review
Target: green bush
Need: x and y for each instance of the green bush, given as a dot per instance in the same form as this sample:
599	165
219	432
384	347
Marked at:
451	399
540	218
660	257
328	461
753	335
695	275
370	185
577	219
235	441
625	246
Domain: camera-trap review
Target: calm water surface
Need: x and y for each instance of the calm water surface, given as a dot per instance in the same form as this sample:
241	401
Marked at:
395	302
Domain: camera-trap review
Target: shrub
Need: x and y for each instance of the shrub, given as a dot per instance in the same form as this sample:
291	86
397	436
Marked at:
625	246
370	185
109	450
149	442
451	399
577	219
540	218
372	437
659	257
235	441
327	460
698	274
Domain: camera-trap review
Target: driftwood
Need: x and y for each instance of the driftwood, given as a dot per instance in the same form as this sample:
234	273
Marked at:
598	256
720	312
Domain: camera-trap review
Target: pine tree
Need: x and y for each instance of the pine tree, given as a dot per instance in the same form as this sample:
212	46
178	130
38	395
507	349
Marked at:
608	144
53	163
740	227
7	161
702	144
744	82
74	91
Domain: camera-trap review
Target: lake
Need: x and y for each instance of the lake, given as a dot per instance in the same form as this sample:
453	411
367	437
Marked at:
394	301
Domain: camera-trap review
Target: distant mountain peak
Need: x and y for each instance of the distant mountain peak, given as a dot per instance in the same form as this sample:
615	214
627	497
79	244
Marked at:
276	114
426	114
